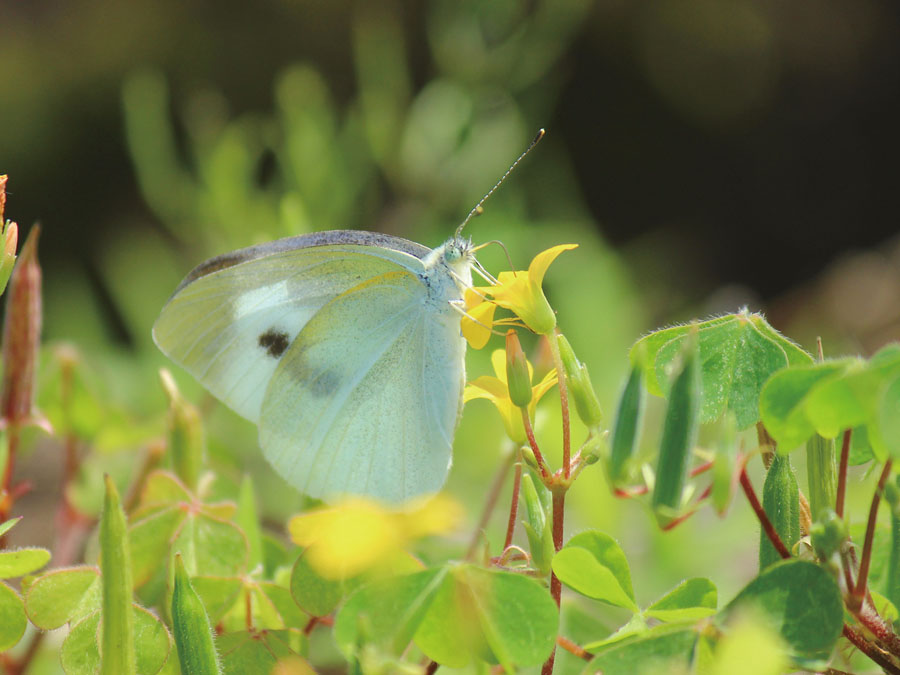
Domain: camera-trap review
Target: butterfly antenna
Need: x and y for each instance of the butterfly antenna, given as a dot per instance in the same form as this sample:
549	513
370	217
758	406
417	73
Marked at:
478	210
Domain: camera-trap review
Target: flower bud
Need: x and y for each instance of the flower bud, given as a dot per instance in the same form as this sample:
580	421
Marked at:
586	403
828	534
9	236
518	379
21	335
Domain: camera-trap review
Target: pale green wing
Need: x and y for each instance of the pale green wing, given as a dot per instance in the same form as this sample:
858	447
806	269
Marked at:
367	398
233	318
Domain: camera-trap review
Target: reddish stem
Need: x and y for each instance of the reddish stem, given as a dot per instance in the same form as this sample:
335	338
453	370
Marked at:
680	519
532	441
7	499
760	512
862	578
639	490
572	648
870	650
432	667
513	507
842	474
559	507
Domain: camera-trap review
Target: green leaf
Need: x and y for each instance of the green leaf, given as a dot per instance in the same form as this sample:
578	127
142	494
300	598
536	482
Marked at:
783	401
280	598
12	618
387	613
219	594
312	592
8	525
691	600
593	564
498	616
738	353
80	652
860	448
246	653
117	641
209	544
801	600
62	596
454	614
22	561
152	641
663	649
193	634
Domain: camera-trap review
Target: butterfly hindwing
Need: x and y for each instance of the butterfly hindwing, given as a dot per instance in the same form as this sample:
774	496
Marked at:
366	398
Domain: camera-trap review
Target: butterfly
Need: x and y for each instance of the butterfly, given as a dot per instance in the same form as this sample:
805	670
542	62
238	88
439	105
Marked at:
344	347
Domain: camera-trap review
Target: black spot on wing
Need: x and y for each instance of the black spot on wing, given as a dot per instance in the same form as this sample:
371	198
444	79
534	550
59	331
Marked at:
275	342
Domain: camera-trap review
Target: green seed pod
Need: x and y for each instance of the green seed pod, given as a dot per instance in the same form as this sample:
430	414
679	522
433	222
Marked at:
537	527
821	474
117	655
781	501
587	405
190	625
626	427
678	438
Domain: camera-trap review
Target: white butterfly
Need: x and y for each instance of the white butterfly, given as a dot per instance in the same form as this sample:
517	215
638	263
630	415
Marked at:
343	346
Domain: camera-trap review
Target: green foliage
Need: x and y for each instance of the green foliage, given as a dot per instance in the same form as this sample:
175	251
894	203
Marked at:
737	352
454	614
801	600
394	153
592	563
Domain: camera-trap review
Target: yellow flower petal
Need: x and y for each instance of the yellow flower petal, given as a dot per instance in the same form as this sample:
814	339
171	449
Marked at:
359	534
538	267
476	324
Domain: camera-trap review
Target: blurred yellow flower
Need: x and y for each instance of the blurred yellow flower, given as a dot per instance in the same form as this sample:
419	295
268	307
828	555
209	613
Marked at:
519	292
496	390
359	534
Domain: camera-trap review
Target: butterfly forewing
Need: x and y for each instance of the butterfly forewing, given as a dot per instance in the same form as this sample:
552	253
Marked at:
360	403
233	318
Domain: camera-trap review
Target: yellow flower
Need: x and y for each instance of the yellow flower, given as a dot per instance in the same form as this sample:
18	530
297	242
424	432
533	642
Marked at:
360	534
479	317
495	390
519	292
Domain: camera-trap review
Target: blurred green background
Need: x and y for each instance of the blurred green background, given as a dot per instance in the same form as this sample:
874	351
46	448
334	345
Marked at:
704	155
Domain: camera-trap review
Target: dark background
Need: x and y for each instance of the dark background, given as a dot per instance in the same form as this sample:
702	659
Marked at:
712	143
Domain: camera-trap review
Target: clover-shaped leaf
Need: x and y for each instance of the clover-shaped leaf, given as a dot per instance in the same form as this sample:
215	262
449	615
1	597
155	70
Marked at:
691	600
593	564
802	602
738	353
454	614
